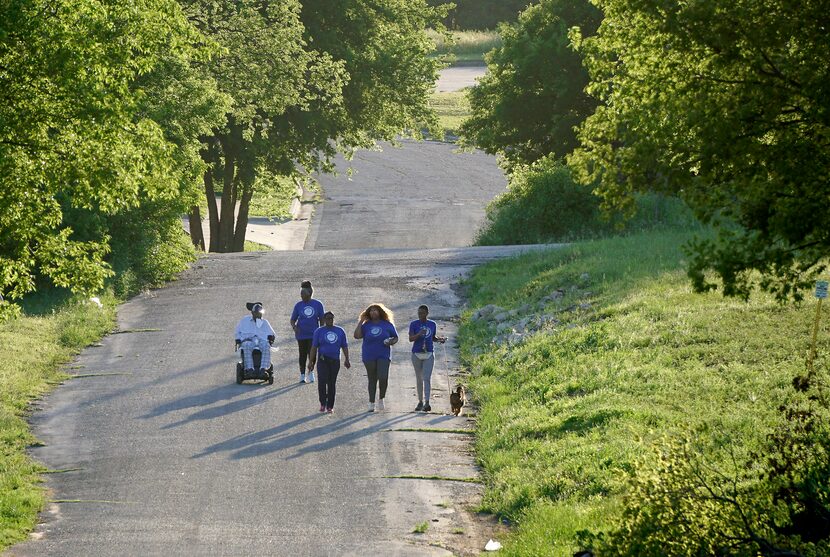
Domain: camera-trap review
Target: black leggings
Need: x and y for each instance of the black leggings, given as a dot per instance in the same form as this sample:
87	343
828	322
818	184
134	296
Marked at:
378	372
305	348
327	369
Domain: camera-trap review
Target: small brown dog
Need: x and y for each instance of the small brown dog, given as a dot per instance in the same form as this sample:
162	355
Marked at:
457	400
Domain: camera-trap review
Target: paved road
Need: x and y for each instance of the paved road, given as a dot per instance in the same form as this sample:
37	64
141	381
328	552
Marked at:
423	194
457	78
160	453
167	456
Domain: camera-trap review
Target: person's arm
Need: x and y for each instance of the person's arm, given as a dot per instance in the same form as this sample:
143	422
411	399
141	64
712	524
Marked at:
237	334
358	331
272	334
295	315
312	357
346	362
392	340
416	336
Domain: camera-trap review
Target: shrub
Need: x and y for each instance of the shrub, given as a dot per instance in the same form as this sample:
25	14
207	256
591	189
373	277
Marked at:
774	502
149	247
544	204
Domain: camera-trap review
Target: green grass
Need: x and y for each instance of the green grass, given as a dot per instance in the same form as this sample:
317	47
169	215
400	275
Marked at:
565	415
272	197
421	528
452	109
466	47
32	348
253	246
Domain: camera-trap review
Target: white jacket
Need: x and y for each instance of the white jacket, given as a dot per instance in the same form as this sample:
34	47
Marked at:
247	329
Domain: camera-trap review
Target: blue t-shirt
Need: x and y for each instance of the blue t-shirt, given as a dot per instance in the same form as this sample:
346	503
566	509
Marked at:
432	329
329	341
308	316
373	336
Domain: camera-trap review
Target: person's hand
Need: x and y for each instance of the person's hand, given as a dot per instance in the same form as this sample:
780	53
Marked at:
442	340
387	341
311	366
236	344
347	363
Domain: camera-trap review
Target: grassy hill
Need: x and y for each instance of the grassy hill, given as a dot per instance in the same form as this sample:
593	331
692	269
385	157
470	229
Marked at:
623	357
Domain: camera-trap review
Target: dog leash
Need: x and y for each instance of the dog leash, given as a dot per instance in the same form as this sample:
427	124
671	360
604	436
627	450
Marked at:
447	373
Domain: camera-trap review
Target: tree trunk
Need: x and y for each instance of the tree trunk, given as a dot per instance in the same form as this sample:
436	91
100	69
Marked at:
213	211
226	219
242	218
196	234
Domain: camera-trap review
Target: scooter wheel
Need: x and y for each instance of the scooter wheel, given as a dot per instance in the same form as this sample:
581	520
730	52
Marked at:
240	374
270	377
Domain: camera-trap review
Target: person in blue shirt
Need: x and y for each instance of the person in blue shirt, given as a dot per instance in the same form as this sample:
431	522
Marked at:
376	327
306	317
422	333
326	345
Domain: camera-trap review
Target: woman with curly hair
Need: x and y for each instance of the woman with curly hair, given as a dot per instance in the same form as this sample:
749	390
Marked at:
376	327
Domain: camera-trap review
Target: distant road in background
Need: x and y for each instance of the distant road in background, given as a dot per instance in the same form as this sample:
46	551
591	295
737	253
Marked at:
420	195
458	77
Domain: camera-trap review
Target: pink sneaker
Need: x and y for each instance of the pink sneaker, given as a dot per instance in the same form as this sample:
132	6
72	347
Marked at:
322	408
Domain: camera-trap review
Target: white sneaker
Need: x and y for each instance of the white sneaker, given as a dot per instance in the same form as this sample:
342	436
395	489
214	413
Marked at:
371	407
311	377
381	406
302	378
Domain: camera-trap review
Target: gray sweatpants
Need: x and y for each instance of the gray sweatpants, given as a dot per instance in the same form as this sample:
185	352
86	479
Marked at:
423	376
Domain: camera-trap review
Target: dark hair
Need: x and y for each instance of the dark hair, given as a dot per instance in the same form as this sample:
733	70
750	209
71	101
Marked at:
305	284
424	306
328	313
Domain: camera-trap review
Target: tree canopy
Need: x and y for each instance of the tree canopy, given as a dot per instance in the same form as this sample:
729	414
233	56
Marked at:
325	76
527	105
73	132
116	117
726	104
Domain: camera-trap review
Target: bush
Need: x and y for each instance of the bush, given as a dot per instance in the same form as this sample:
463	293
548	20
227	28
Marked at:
543	204
149	247
773	502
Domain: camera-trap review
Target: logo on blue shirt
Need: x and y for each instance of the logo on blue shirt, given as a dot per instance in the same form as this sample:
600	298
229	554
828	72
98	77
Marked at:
308	311
331	337
375	331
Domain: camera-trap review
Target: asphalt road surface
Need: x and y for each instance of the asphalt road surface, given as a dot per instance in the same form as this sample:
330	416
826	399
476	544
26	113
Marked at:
422	195
158	452
457	78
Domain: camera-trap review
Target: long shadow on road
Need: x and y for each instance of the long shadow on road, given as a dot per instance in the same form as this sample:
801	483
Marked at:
278	438
224	392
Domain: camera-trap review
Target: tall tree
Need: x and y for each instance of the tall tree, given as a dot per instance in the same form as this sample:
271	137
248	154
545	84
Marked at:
265	70
307	80
384	49
726	104
533	95
72	135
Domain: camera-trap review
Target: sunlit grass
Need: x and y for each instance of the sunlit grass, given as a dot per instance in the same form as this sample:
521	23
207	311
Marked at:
452	109
466	46
32	348
565	414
